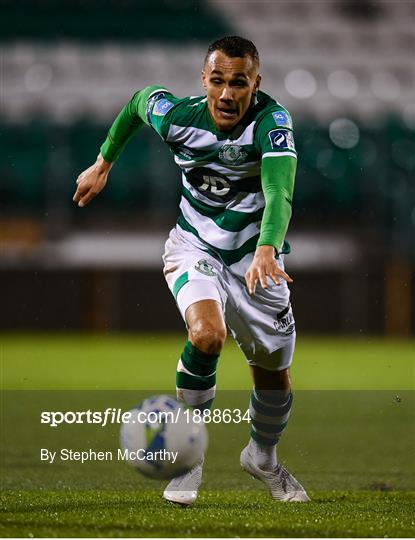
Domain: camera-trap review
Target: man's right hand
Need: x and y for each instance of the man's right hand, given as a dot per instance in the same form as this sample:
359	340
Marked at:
92	181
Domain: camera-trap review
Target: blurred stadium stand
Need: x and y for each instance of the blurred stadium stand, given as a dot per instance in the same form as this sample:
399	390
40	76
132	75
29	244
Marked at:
345	69
120	20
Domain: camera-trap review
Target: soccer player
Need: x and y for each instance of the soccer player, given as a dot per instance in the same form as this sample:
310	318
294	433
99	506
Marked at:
223	260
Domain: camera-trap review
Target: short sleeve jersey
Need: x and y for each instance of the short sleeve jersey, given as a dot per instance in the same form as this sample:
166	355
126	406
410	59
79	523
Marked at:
222	200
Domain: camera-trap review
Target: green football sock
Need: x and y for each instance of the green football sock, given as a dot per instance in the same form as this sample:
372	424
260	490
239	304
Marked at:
196	377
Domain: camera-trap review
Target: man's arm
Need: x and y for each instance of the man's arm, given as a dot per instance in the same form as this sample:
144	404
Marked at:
275	142
131	118
277	178
92	181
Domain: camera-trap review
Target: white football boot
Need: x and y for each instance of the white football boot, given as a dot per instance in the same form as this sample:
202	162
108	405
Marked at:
183	489
281	484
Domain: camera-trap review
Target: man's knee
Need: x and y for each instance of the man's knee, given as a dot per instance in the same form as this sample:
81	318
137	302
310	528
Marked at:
207	329
265	379
209	337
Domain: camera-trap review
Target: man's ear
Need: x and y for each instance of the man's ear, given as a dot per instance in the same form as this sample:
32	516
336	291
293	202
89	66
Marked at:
257	83
203	79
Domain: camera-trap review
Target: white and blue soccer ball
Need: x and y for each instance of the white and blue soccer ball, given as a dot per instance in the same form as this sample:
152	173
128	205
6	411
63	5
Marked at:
162	438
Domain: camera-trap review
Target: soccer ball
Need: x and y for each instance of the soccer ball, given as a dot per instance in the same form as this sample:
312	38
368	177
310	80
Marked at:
162	438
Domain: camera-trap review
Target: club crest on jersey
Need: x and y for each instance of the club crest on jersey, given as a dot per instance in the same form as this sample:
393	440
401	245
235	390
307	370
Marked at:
232	154
281	139
205	268
162	107
282	119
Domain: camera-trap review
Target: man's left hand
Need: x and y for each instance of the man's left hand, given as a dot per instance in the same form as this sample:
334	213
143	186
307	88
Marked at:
264	264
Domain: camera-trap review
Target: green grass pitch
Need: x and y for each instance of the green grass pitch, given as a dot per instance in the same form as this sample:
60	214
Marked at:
350	441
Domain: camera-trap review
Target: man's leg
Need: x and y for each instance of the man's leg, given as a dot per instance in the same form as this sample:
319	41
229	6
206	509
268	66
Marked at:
196	370
193	278
263	326
270	408
196	381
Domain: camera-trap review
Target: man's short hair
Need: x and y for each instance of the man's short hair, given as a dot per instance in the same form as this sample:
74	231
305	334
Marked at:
234	46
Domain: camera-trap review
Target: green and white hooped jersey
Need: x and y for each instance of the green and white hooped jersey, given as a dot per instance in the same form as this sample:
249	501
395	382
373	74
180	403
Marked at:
222	200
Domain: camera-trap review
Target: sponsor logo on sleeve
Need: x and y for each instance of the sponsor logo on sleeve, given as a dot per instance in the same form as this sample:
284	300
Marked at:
150	103
162	107
281	139
282	119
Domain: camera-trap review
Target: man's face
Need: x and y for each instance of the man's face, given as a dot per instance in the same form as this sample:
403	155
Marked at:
230	84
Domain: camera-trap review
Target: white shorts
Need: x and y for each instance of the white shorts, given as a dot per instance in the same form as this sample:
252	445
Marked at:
263	325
